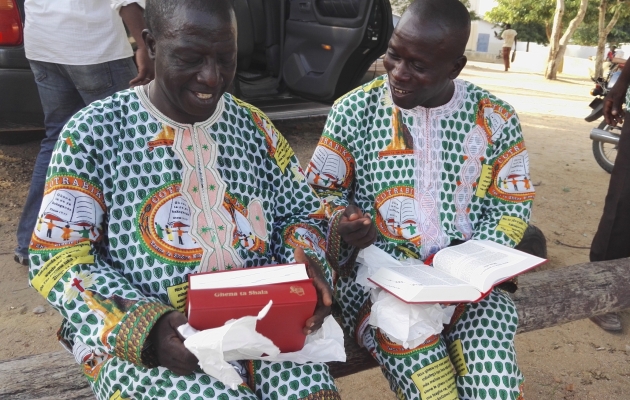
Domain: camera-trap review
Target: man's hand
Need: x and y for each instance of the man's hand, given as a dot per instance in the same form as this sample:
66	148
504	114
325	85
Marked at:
169	344
146	68
324	293
356	228
613	112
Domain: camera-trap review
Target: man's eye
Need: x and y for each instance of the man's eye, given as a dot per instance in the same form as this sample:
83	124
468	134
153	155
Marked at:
225	60
189	60
392	55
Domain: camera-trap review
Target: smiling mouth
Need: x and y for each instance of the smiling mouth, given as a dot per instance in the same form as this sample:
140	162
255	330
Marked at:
203	96
399	91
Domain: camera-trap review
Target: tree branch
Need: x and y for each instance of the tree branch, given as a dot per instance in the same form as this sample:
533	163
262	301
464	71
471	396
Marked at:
613	20
575	23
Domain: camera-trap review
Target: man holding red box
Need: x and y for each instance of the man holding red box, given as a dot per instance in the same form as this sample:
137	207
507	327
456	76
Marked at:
173	178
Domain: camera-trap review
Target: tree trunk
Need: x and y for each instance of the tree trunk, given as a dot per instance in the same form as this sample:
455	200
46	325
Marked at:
554	41
527	49
556	53
603	32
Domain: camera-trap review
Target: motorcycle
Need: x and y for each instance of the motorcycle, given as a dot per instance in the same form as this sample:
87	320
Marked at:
605	137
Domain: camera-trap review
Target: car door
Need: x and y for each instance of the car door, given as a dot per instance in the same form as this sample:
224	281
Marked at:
330	44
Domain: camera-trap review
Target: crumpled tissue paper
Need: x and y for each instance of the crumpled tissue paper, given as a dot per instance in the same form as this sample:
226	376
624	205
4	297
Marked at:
409	325
238	340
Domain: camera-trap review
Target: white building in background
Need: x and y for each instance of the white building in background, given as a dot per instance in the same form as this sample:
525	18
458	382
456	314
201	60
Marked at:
482	38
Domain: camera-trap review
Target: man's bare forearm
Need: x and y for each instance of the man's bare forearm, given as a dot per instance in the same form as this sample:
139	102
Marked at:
133	18
624	78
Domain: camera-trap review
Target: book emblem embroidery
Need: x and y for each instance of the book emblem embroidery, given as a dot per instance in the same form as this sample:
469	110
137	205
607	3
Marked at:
297	290
72	212
397	217
164	224
331	166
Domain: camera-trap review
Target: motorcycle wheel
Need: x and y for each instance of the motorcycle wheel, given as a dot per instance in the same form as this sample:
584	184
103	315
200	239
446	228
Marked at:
605	153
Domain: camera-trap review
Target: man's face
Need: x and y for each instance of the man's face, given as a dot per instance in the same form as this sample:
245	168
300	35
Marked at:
195	62
421	64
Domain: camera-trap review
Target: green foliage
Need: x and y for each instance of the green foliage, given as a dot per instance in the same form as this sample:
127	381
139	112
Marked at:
531	32
399	7
587	33
536	18
523	11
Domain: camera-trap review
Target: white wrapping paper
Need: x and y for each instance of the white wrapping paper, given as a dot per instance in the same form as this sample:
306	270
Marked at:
238	340
406	324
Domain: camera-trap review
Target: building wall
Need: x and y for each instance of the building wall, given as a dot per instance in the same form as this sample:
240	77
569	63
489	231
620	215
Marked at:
484	28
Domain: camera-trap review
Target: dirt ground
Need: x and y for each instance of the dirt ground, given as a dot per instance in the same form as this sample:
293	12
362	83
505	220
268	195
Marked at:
573	361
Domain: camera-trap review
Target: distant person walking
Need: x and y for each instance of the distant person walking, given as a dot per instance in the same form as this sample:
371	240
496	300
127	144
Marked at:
612	239
509	41
79	53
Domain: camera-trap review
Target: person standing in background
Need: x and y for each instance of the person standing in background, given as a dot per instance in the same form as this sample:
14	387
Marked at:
611	53
79	53
613	233
509	40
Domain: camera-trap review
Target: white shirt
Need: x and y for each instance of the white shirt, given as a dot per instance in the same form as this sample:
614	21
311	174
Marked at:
508	36
76	32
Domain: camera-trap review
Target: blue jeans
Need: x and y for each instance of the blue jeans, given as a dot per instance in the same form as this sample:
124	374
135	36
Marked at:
63	91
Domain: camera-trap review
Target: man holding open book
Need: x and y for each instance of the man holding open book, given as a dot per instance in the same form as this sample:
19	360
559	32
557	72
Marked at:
414	162
165	180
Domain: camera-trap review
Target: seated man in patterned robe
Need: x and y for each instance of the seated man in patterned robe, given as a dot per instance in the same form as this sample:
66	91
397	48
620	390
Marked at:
415	161
164	180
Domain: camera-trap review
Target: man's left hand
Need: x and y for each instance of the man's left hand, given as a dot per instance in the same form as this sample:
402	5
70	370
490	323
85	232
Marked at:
146	68
324	293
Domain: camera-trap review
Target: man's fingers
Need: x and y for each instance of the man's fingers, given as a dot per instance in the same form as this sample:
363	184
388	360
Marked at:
367	240
136	81
181	359
348	227
182	371
324	290
300	256
324	293
315	322
352	213
357	235
320	283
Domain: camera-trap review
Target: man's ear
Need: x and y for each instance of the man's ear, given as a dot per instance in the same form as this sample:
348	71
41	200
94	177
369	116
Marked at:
459	65
149	42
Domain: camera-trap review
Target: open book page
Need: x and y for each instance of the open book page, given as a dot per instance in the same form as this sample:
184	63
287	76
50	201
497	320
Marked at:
421	283
483	263
249	277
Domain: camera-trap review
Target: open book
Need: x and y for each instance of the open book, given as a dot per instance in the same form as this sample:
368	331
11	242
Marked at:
71	207
462	273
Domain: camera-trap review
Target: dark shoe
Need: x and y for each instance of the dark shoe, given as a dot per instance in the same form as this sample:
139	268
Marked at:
609	322
21	260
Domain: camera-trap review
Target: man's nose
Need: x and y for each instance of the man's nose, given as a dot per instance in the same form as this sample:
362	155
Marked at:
209	73
400	72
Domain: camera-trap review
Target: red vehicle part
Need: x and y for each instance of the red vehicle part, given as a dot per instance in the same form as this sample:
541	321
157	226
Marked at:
10	24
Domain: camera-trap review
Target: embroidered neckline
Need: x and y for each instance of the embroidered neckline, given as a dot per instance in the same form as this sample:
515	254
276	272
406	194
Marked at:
142	93
454	104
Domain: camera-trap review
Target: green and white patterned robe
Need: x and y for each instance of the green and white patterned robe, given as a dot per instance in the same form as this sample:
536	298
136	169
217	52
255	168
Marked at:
134	202
428	177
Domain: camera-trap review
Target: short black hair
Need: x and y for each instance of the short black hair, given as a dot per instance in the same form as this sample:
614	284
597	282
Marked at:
450	14
508	26
157	12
